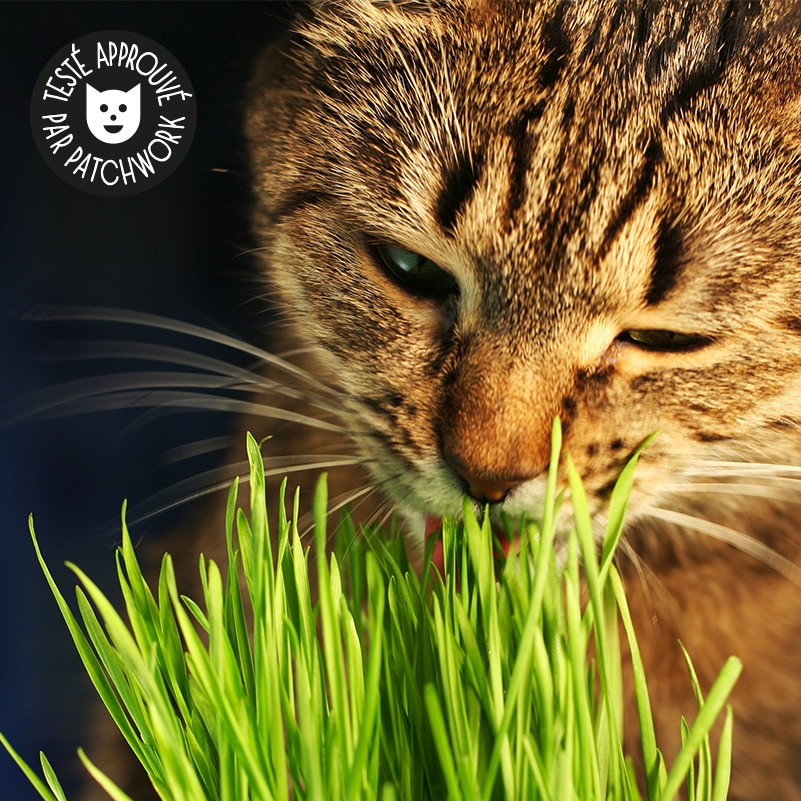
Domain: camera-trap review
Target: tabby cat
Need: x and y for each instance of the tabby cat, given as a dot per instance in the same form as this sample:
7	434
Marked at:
479	214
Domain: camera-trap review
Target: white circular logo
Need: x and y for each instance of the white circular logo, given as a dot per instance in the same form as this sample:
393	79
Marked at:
113	113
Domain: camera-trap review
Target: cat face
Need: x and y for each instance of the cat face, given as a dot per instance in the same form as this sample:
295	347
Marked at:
517	212
113	116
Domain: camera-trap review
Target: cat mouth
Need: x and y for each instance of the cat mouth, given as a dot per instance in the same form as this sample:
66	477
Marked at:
501	545
112	128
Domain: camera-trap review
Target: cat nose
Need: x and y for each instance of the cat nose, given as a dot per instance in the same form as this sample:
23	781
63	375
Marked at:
487	490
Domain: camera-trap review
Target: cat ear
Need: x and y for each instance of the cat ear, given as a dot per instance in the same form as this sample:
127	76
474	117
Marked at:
134	93
91	92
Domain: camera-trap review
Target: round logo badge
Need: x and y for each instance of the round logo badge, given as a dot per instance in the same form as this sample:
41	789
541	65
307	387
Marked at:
113	113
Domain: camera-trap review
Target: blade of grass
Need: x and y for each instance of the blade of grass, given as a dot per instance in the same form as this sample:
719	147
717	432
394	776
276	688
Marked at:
114	792
618	504
655	776
442	742
44	791
482	686
715	701
723	766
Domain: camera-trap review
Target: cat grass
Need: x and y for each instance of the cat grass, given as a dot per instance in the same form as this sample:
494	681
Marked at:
486	683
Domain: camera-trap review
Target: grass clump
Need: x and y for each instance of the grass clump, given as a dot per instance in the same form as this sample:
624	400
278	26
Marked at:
386	684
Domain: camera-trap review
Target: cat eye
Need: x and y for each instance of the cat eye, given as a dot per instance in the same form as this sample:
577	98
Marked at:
416	271
653	339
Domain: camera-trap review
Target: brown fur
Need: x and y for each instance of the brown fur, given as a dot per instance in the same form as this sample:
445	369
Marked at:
585	172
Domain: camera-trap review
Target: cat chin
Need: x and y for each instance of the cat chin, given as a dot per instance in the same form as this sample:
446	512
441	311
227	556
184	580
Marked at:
438	498
505	540
526	502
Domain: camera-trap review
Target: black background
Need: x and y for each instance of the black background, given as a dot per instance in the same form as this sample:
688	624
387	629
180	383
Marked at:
179	249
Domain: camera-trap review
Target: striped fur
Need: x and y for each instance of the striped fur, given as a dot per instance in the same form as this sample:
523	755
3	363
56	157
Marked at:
586	172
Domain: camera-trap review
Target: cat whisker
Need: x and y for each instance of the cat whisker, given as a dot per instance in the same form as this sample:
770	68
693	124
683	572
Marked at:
247	378
627	550
712	469
251	251
649	580
201	447
737	539
776	488
300	351
382	515
336	504
190	489
163	400
101	314
378	518
220	478
664	609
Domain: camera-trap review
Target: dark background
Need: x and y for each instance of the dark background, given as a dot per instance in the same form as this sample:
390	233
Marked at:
179	249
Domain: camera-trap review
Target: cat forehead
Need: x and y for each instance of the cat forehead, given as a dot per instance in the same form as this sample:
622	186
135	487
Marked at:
467	81
541	112
582	29
490	64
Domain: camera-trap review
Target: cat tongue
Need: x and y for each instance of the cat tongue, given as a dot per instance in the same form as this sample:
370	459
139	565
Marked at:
434	524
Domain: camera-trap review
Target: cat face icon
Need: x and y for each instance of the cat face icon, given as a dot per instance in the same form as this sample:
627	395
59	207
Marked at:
112	116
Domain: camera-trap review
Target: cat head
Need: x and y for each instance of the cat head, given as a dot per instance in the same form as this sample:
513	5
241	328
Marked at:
112	115
486	214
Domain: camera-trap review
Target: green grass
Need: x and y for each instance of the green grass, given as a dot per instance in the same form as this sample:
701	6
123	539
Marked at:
386	685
